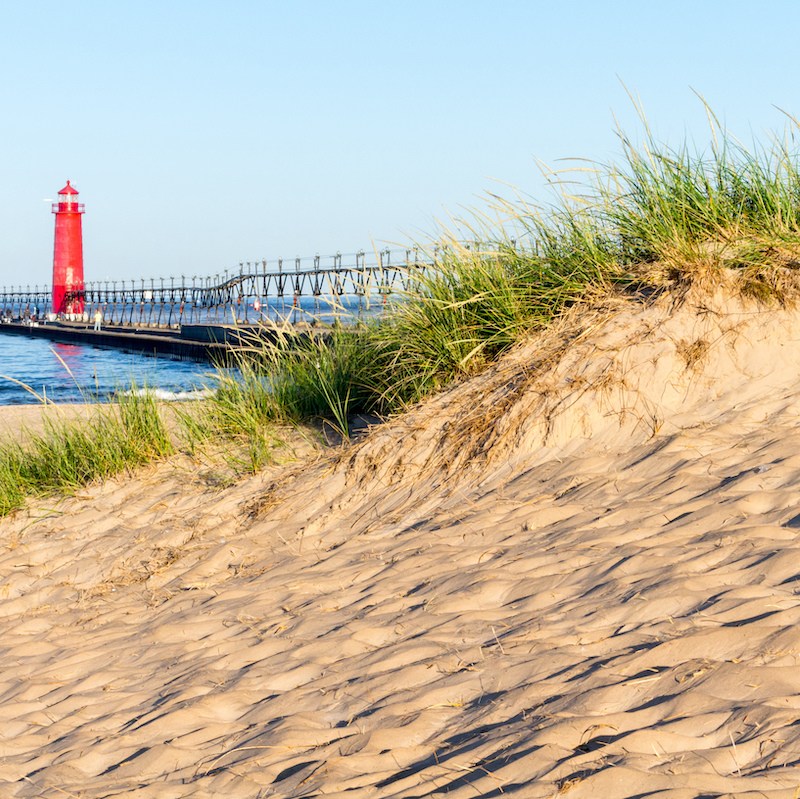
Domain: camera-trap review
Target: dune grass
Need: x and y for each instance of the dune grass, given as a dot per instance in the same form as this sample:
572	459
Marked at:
660	218
238	419
692	214
475	304
285	379
70	454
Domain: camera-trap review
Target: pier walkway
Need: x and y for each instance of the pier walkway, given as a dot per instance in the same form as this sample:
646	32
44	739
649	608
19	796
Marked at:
336	287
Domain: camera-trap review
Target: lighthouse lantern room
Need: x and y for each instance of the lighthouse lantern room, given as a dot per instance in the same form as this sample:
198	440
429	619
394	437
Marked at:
68	286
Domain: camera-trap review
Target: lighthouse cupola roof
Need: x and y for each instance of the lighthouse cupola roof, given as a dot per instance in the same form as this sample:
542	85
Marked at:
68	189
68	201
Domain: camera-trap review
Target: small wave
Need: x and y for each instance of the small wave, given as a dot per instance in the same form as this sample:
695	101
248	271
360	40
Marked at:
168	396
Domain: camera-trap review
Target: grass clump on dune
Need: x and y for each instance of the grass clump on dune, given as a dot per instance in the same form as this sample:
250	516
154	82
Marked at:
472	306
287	379
71	453
327	377
689	214
239	416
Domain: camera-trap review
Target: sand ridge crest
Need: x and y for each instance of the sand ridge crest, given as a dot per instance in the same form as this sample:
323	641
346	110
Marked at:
572	575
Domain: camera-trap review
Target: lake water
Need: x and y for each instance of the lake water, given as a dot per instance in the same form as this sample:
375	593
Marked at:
82	373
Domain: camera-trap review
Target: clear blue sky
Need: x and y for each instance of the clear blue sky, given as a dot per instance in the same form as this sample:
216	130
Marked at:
201	134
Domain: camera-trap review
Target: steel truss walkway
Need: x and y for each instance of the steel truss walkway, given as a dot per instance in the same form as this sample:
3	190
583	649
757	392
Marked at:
300	289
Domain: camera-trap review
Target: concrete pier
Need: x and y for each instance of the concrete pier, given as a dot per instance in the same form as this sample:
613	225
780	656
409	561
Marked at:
213	343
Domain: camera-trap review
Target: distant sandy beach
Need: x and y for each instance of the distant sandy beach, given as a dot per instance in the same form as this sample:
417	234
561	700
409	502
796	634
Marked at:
574	575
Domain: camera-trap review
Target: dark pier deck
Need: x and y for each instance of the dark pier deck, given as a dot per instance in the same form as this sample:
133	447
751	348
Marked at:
213	343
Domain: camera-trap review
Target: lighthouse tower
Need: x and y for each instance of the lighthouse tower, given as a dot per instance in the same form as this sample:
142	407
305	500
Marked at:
68	254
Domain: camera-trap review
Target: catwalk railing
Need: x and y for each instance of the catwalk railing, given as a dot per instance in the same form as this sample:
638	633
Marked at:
318	288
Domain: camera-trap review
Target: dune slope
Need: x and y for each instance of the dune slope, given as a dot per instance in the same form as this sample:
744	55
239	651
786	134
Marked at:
575	574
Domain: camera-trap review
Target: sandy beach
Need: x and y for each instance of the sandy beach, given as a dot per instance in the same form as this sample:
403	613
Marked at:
17	420
574	575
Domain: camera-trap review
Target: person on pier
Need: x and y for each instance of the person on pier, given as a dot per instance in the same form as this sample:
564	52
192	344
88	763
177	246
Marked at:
98	319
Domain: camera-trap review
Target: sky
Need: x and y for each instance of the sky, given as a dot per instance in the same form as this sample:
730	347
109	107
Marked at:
204	134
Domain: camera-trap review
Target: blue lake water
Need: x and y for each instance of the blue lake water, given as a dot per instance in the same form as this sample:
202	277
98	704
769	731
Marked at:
81	373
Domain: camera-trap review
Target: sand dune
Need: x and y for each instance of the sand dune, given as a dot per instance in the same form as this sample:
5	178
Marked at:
574	575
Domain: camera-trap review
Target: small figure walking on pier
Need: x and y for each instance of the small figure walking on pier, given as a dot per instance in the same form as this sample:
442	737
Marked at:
98	319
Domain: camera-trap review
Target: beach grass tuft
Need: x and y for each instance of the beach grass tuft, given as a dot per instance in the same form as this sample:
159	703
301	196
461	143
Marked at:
286	378
687	213
472	306
68	454
239	415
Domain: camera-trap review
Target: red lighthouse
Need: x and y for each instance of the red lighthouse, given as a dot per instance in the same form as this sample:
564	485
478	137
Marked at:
68	254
